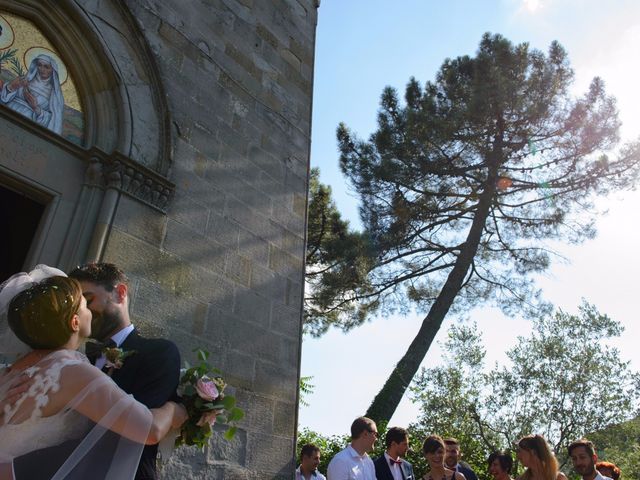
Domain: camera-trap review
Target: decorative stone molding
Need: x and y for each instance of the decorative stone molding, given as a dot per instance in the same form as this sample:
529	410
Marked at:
125	175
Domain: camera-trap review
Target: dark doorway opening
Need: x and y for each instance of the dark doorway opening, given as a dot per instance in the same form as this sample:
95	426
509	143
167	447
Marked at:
19	220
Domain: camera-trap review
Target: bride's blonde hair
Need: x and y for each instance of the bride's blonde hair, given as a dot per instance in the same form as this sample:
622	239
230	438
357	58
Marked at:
40	315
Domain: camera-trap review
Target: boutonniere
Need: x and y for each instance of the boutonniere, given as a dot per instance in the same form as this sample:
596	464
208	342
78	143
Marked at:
115	357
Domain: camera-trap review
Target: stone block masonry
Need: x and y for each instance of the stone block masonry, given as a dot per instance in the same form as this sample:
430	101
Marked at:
224	270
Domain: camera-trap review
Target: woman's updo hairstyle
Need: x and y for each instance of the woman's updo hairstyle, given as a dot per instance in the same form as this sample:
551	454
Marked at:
432	443
39	315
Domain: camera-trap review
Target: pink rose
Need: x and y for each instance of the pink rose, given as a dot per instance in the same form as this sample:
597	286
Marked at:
207	389
208	417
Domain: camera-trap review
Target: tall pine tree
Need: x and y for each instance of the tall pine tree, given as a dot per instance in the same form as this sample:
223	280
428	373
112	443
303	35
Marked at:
461	185
337	264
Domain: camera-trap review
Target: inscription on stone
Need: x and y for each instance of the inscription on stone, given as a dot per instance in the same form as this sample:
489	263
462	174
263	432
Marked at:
19	154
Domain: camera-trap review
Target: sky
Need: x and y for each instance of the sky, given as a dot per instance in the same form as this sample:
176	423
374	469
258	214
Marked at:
363	46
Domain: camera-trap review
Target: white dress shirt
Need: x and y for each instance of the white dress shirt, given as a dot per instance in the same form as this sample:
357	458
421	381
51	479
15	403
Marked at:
118	338
396	470
599	476
350	465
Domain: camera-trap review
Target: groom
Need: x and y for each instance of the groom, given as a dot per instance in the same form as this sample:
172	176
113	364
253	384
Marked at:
150	367
391	465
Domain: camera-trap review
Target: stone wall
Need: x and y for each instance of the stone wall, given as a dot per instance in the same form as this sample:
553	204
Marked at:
192	176
223	270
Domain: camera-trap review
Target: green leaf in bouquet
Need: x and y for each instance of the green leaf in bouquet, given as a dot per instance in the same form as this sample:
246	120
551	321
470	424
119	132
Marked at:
187	365
236	414
189	390
229	434
202	354
229	402
214	406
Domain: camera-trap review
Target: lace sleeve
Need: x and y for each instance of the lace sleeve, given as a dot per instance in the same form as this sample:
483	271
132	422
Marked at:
93	429
45	383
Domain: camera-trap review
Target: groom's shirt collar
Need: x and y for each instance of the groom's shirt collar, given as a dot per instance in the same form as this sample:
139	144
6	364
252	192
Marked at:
122	335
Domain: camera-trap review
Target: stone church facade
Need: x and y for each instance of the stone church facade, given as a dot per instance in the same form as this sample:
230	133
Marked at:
184	160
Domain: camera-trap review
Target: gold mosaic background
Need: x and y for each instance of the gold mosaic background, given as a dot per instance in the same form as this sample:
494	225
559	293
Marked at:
23	35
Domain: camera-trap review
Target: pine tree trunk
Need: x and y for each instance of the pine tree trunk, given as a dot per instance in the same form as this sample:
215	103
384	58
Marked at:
388	398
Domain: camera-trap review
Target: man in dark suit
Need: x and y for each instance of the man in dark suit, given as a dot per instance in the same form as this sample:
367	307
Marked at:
391	466
150	370
452	458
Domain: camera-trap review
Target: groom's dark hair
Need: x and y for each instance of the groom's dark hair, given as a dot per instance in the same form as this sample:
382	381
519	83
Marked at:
107	275
395	434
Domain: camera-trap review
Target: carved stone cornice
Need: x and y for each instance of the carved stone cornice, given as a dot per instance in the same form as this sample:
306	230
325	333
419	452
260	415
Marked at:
125	175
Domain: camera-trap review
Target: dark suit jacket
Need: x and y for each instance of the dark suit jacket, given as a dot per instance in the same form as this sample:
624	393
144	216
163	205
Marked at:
467	472
151	375
383	470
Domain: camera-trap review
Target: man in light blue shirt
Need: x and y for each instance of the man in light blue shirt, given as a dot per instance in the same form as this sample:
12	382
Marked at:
309	461
354	463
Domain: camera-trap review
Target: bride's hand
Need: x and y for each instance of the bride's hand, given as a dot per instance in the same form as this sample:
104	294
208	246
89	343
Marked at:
179	416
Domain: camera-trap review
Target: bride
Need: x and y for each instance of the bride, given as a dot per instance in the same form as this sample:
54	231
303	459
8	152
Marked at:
68	401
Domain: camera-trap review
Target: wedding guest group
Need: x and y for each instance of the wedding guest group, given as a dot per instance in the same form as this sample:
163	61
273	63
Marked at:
73	422
309	461
354	463
584	459
391	465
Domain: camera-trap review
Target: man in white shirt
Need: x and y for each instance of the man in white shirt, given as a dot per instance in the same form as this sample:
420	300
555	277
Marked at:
391	465
354	463
309	461
584	459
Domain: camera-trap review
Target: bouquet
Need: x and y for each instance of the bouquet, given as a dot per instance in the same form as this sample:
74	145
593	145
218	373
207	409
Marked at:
201	388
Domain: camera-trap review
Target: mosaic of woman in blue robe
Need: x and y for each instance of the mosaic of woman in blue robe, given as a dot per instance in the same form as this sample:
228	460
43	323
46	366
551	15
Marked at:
38	95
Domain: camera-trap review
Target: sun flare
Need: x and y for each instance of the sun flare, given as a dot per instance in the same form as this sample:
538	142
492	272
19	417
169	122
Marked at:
532	5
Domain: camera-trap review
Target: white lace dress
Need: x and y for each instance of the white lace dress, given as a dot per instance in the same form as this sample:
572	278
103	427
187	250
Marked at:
69	399
22	434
